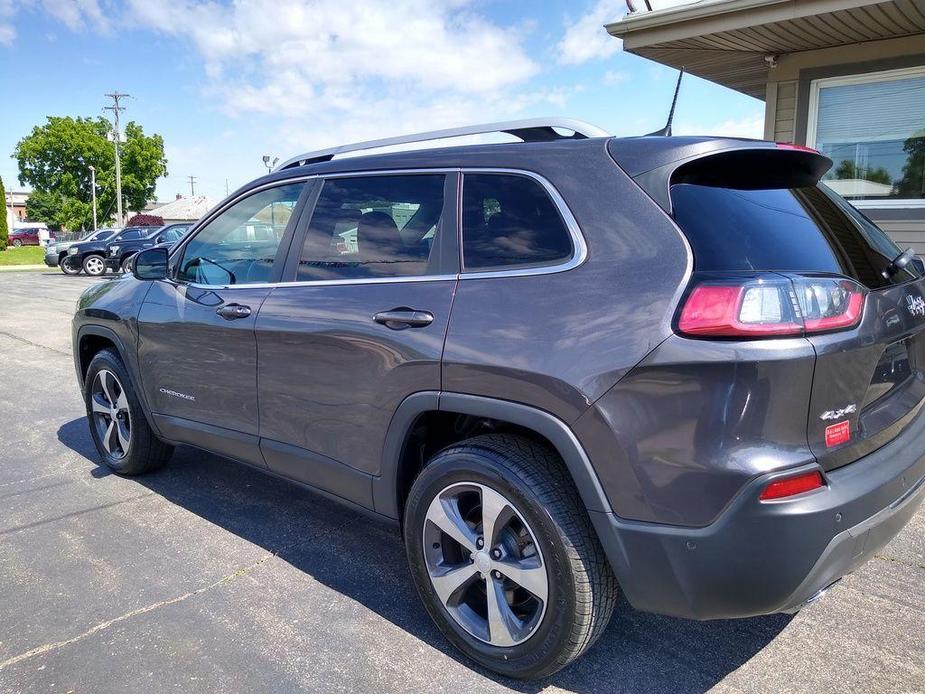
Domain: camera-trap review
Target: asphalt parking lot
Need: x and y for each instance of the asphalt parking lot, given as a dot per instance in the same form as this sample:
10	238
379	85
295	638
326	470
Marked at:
207	576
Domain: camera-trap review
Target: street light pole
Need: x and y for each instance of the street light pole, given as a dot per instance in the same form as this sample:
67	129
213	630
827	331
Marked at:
116	110
93	191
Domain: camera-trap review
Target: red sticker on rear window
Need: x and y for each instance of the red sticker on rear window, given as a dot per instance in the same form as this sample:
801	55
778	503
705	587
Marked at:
837	433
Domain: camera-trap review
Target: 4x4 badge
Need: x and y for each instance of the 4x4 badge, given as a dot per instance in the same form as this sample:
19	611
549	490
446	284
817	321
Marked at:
915	305
838	414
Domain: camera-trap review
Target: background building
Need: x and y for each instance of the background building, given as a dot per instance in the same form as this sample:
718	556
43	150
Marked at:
846	77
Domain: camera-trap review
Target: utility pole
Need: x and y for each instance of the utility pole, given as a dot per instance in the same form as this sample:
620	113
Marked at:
116	110
226	187
93	191
192	185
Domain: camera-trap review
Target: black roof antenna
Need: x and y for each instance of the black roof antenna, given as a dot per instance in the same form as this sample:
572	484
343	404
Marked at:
666	131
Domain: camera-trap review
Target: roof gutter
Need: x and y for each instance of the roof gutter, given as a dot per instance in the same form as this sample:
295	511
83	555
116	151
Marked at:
710	9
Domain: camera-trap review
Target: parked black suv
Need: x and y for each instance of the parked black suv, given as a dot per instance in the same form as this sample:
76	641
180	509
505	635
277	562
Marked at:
90	256
680	366
121	252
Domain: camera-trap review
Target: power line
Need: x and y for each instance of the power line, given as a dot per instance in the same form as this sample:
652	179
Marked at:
192	185
116	109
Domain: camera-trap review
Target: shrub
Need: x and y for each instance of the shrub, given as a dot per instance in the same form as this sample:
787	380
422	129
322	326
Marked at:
145	220
4	231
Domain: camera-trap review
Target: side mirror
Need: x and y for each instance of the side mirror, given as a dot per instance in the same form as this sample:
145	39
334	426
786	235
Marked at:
159	239
150	264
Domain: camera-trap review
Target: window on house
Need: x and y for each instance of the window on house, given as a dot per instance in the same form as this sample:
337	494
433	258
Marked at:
873	128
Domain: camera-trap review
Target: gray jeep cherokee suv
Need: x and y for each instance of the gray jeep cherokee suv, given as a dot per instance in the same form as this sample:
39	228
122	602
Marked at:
680	366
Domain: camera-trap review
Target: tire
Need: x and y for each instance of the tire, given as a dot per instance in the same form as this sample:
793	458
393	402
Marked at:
17	243
69	267
94	265
118	426
127	265
543	525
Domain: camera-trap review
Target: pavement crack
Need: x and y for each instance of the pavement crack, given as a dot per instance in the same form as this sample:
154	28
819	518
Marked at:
243	571
33	344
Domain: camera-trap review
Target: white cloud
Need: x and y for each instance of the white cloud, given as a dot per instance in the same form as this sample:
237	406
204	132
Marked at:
77	14
612	77
586	39
750	126
7	30
331	71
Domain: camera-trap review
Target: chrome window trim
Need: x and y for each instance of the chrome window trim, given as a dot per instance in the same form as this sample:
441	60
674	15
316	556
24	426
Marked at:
579	246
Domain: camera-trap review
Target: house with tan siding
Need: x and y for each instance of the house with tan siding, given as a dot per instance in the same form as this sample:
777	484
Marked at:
846	77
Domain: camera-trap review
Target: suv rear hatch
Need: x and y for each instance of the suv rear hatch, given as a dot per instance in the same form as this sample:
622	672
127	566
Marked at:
800	260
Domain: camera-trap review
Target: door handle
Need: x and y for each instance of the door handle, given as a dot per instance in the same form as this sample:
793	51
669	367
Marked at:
401	318
234	311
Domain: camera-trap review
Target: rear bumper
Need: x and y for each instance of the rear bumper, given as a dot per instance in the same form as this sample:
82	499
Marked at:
766	557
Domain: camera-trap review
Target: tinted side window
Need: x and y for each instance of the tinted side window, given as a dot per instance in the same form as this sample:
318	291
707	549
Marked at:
373	226
131	235
240	245
510	221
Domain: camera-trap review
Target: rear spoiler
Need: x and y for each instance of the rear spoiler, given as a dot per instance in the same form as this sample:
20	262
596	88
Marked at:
716	162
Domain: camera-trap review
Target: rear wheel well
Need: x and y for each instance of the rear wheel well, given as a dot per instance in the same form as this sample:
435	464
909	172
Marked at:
90	346
433	431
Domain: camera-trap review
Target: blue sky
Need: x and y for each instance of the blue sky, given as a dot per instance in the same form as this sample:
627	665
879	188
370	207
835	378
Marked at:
226	82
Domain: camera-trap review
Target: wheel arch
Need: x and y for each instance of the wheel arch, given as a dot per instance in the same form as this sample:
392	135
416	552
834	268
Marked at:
91	339
399	467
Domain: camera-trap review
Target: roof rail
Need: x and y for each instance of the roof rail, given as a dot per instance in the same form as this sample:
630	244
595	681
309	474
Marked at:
528	130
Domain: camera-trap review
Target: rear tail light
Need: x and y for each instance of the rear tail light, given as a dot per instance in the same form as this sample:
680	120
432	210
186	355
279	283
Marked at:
791	486
770	305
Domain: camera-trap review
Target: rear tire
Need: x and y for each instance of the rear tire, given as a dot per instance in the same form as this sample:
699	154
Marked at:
17	243
118	425
127	265
543	524
94	265
68	266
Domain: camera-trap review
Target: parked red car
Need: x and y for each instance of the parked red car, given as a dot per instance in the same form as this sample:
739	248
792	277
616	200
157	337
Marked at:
26	237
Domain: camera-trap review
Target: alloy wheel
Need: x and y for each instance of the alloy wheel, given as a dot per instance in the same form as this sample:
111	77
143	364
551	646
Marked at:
94	265
110	413
485	564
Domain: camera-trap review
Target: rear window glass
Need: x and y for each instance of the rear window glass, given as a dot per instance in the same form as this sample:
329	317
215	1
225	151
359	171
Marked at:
788	229
510	221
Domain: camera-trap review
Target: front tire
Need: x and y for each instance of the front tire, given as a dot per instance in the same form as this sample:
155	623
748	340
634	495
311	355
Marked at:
118	425
68	266
17	243
504	557
94	265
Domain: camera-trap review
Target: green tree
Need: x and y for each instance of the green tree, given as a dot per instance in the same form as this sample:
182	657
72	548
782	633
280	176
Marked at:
847	169
912	184
55	159
4	230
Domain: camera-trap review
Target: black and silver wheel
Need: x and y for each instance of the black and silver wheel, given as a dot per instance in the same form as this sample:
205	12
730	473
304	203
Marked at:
17	243
94	265
504	556
110	414
69	265
127	265
484	564
117	423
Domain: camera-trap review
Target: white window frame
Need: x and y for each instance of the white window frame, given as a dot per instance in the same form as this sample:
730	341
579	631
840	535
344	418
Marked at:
864	78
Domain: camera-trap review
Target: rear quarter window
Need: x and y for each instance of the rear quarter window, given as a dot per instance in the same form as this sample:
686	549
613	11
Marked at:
510	222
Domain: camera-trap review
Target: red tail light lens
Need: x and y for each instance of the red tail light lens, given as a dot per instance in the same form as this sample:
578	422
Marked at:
791	486
771	305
